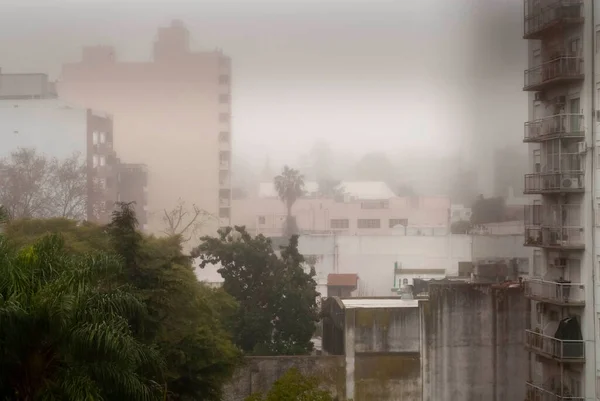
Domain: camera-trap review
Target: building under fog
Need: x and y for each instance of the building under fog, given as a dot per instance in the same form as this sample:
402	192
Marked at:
172	113
32	116
560	223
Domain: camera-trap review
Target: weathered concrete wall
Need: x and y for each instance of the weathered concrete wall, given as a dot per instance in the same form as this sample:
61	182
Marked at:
259	373
386	330
382	348
387	377
473	347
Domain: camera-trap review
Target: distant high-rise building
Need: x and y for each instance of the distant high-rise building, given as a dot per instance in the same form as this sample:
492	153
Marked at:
560	223
33	117
172	113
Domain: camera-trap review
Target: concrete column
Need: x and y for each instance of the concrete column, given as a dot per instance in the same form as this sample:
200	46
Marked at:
349	352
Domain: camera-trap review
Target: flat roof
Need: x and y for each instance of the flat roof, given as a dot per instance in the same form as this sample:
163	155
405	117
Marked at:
354	303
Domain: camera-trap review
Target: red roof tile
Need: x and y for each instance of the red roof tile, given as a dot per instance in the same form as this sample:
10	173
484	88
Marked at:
342	280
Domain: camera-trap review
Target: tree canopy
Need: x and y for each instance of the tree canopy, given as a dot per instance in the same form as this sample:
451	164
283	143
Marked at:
289	186
277	295
183	321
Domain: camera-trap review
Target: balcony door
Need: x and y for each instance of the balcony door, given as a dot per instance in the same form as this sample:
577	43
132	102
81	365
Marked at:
574	108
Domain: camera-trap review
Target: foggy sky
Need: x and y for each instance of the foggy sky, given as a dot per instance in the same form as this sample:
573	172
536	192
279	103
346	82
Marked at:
429	76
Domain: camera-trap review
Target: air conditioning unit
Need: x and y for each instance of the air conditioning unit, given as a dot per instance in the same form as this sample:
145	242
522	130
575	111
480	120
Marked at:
540	96
570	183
581	148
561	99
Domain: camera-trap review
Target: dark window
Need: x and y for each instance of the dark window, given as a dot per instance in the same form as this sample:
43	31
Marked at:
369	223
339	224
261	220
395	222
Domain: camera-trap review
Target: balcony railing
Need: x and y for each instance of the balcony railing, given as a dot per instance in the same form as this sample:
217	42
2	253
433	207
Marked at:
555	182
538	393
554	348
560	70
224	165
558	293
541	18
553	127
560	238
553	216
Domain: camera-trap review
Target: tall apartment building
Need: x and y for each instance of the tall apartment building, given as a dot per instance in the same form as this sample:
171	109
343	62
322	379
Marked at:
32	116
109	179
561	135
172	114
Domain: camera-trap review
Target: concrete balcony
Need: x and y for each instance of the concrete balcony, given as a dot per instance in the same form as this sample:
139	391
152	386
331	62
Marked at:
558	238
565	351
224	165
543	17
560	126
554	182
225	146
560	71
556	293
538	393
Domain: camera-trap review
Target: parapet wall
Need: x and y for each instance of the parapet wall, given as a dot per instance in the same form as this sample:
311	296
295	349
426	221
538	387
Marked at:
474	343
258	374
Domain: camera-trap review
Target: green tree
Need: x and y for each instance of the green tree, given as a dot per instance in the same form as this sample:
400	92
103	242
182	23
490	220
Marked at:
289	186
64	328
293	386
276	295
185	320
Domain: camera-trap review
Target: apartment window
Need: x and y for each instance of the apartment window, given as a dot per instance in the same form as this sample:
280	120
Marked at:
375	205
575	45
102	137
95	161
262	220
224	117
224	98
396	222
223	79
369	223
102	161
95	138
338	224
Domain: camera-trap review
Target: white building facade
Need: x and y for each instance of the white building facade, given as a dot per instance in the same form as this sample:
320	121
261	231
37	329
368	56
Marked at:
559	222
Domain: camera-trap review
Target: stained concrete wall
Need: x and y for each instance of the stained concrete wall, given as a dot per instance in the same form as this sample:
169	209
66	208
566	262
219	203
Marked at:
386	330
382	354
474	343
258	374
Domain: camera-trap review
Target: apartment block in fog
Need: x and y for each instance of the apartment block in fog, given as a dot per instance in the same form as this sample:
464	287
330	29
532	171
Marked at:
172	113
559	223
110	180
33	116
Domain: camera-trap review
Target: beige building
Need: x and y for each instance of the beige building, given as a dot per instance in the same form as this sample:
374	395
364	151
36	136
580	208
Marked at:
172	114
367	208
559	222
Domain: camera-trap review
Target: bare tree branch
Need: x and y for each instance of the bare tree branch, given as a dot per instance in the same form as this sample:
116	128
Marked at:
182	222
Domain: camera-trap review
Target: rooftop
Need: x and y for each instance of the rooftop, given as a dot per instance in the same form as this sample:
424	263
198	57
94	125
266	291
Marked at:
360	190
342	280
371	303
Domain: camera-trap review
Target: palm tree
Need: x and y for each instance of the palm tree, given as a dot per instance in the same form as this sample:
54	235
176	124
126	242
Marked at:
65	328
289	186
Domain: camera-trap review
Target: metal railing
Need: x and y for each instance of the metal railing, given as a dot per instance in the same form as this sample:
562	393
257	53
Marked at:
552	291
538	393
538	18
555	348
554	237
556	126
553	216
566	181
559	68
